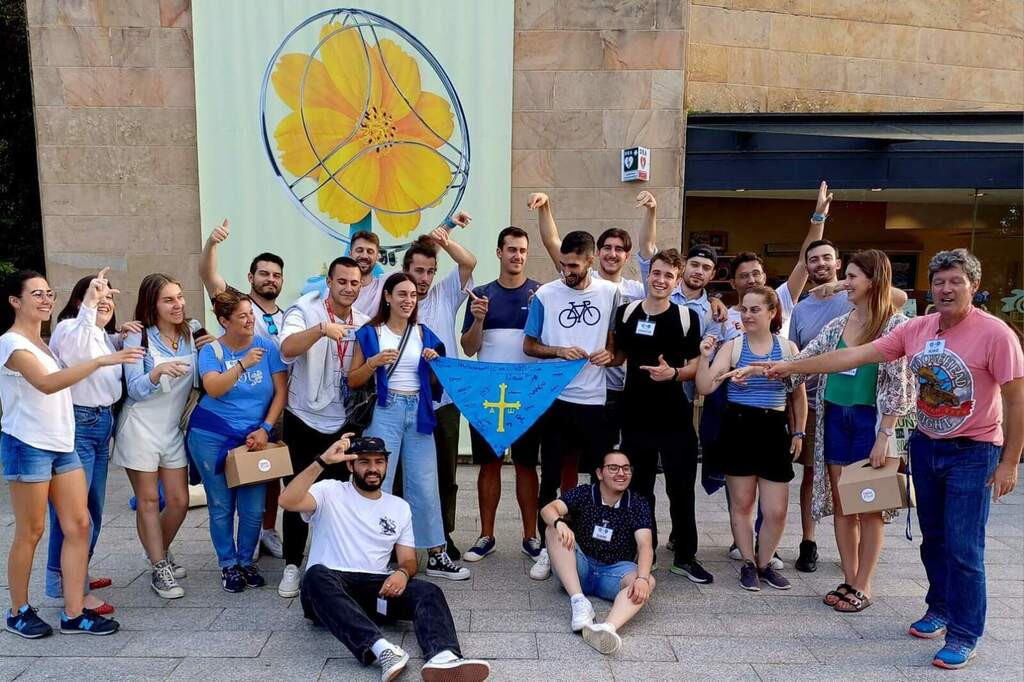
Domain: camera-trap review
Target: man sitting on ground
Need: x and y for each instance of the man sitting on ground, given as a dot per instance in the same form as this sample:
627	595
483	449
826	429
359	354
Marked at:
348	587
599	542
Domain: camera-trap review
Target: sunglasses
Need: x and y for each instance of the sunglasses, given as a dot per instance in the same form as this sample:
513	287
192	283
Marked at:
268	320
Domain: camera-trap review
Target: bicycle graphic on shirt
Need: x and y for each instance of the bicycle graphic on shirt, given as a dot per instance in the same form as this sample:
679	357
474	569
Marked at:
579	312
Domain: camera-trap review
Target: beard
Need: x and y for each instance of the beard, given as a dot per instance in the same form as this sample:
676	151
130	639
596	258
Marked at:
268	292
821	277
361	483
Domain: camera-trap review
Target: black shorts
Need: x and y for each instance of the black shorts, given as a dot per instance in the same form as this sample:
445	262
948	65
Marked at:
525	451
755	442
574	429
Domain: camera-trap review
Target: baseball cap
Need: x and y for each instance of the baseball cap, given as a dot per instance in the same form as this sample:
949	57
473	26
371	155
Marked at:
702	251
368	445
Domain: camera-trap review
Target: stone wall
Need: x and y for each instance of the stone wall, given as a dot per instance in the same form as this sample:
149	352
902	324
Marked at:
116	133
589	78
855	55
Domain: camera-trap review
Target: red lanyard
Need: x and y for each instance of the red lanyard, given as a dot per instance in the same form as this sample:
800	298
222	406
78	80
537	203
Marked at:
342	346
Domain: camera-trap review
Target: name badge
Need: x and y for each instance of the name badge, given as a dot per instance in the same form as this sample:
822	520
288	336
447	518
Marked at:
645	328
382	606
935	346
850	372
603	533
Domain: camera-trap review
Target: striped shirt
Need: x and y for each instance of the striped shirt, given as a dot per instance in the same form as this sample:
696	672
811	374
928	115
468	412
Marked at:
758	391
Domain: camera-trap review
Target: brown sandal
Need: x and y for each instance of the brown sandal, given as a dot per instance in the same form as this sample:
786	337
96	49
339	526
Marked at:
854	602
837	595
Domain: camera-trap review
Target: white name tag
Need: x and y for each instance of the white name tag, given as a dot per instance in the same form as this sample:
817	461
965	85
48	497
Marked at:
603	533
850	372
935	346
645	328
382	606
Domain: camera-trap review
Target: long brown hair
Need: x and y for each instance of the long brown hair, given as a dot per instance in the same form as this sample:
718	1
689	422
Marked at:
384	309
772	300
876	267
149	295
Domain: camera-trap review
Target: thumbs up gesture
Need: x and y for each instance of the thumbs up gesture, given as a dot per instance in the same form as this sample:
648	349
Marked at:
661	371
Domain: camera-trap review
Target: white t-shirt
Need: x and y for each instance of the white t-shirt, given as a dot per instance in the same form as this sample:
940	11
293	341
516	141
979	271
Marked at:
79	340
354	533
368	299
261	326
733	326
307	378
406	376
43	421
629	290
437	311
562	316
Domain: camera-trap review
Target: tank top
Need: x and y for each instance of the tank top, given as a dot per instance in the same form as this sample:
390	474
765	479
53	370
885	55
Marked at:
759	391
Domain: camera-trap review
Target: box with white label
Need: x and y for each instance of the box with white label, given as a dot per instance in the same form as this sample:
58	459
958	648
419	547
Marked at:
863	489
636	164
245	467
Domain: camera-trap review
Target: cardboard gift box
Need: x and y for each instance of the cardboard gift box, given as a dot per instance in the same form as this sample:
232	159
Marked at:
864	489
245	467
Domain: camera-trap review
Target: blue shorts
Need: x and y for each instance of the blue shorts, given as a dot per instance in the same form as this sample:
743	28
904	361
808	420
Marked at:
27	464
601	580
849	433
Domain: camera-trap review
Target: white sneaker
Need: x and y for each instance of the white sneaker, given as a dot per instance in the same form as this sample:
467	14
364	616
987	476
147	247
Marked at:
163	582
602	637
289	586
541	568
179	571
271	542
582	612
459	670
392	662
776	562
734	553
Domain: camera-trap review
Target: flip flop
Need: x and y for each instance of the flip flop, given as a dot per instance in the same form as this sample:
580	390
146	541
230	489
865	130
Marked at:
837	595
855	602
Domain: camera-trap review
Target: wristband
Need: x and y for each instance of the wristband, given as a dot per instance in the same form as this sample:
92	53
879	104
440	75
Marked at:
555	524
799	434
888	432
267	426
402	570
319	459
449	223
818	217
644	577
323	332
677	374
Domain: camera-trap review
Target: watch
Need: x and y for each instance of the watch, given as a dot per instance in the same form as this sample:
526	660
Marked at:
799	434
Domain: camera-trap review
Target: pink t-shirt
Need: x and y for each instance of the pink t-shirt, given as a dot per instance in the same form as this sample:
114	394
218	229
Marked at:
959	372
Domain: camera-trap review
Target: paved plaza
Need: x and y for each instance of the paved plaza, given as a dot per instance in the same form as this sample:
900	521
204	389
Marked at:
712	632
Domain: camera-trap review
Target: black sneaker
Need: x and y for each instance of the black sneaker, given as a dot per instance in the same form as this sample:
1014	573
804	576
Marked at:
453	551
774	578
440	565
27	623
232	580
693	571
252	576
88	623
808	561
748	577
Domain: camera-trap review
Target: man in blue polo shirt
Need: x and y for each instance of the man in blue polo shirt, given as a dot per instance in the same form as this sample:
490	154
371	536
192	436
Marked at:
600	543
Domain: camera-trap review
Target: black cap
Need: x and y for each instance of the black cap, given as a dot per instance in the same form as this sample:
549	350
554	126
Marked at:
702	251
368	445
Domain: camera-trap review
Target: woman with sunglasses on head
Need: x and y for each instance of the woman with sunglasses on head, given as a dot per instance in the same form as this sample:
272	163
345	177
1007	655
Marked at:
149	443
87	329
37	449
246	388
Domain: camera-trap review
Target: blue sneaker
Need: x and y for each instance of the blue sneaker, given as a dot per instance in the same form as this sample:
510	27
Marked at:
928	627
27	624
531	548
481	548
232	580
953	656
88	623
252	576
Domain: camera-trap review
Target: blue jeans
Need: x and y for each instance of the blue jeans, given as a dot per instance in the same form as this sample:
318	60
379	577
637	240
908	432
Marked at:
849	433
93	429
396	424
223	502
601	580
953	498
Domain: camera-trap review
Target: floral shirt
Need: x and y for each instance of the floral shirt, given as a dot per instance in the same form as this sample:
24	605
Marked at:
894	392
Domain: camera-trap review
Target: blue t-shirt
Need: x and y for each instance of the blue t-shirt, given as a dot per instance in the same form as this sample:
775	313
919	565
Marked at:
588	511
808	319
246	403
506	318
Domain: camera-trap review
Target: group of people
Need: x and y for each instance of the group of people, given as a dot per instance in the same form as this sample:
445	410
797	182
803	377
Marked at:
344	377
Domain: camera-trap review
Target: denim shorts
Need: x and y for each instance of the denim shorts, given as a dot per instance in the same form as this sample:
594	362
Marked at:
601	580
849	433
28	464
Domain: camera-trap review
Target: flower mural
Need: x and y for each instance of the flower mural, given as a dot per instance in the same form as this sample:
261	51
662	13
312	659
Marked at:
362	127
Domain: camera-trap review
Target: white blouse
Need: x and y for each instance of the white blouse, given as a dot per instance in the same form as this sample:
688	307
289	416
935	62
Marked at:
79	340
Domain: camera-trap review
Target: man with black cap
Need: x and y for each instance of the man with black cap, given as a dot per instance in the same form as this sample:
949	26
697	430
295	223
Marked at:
348	587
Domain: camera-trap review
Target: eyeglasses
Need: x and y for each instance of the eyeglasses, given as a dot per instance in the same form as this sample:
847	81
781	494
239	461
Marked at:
268	320
616	468
41	295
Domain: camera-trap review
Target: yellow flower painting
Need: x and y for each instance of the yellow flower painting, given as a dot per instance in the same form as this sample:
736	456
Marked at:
362	112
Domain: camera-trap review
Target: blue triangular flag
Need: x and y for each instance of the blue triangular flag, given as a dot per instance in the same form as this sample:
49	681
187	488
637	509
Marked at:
504	399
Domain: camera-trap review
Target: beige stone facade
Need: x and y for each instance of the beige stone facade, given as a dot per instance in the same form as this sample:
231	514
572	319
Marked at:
115	109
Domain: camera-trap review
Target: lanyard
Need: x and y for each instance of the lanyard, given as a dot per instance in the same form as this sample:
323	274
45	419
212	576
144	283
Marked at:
342	345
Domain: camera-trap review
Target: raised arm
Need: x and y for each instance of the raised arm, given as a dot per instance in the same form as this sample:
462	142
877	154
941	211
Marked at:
538	201
709	372
648	226
212	281
815	231
295	497
462	257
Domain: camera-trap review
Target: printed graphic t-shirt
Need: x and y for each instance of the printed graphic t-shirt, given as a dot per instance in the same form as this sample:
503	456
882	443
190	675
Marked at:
247	401
959	372
562	316
507	310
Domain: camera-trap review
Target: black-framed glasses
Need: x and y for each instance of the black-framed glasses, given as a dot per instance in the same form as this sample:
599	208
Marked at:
616	468
268	320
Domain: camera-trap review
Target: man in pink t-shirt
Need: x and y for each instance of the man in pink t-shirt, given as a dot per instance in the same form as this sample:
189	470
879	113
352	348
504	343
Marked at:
967	364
